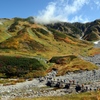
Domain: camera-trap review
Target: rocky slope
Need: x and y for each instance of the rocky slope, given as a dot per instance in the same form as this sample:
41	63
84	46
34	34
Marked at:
87	31
87	80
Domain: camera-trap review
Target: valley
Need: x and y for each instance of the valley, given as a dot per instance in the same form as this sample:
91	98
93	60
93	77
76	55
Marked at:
45	55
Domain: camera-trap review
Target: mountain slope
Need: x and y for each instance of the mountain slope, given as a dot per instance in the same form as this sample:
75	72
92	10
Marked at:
88	31
36	39
20	42
93	31
24	38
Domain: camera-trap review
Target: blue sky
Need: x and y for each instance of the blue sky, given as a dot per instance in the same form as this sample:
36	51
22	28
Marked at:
47	11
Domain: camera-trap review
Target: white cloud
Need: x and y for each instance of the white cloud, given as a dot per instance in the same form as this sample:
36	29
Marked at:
97	2
60	10
80	18
94	4
75	6
48	15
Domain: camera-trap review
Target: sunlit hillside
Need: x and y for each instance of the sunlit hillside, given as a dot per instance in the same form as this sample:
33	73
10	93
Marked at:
25	38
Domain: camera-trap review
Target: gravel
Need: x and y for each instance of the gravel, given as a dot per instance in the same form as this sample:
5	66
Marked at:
35	88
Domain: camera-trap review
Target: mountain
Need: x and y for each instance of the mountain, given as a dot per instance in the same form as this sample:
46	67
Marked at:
89	31
22	37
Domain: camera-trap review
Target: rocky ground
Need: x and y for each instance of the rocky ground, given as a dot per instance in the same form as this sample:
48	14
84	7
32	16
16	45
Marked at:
81	81
87	80
95	59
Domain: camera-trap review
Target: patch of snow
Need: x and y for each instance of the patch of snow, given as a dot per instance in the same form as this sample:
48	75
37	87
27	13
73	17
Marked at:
96	42
80	38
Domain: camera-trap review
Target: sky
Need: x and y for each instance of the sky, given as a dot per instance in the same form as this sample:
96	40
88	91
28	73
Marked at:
46	11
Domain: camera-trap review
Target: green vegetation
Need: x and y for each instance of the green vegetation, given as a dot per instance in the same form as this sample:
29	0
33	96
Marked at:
66	28
19	66
42	31
57	34
62	59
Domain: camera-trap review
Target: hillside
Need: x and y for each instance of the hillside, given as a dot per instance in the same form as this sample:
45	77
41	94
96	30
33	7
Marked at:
19	35
23	38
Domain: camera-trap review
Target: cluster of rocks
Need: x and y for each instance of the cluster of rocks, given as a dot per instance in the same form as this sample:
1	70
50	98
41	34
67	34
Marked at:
82	78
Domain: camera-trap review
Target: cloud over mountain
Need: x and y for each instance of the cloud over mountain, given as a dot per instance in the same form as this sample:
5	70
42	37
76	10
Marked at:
60	10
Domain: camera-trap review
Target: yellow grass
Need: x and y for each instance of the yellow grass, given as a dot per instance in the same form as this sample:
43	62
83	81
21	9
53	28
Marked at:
94	51
71	65
80	96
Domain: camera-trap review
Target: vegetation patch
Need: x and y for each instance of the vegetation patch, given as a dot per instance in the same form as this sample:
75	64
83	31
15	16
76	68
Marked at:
70	63
20	66
94	51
